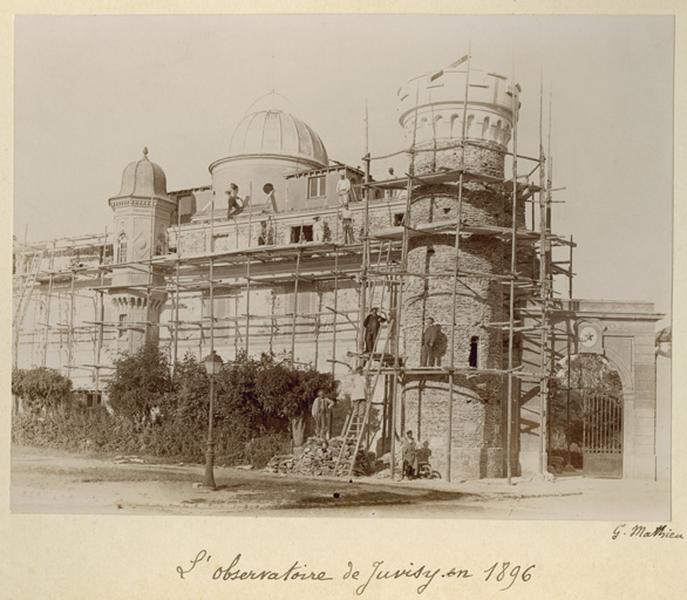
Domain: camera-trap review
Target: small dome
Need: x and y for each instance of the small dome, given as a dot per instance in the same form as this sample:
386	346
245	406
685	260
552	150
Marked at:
143	178
277	132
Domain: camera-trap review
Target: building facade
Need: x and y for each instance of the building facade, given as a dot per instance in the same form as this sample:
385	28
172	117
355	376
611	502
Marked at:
290	264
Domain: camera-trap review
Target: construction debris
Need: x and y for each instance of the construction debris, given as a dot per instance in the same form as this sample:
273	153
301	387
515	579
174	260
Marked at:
318	457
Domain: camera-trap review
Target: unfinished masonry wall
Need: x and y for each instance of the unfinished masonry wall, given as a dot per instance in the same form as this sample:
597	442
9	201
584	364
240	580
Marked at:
476	449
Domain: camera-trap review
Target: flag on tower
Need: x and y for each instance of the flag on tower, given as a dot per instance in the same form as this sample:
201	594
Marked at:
453	65
459	62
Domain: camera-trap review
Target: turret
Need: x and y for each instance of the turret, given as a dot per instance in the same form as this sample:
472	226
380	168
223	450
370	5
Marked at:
142	213
438	103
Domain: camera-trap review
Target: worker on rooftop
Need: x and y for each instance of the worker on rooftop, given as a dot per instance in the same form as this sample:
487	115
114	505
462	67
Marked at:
270	204
234	203
343	189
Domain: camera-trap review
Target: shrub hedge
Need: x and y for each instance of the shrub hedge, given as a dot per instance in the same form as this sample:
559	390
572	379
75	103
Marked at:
256	402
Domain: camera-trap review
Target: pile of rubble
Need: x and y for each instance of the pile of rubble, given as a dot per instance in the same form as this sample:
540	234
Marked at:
318	457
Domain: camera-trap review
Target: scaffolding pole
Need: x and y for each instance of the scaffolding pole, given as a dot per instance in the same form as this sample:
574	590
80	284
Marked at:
248	290
511	298
177	268
51	278
335	311
70	324
454	289
100	317
399	294
544	292
295	307
365	257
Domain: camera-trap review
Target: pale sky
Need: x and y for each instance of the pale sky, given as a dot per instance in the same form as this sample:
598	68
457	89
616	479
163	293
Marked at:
90	92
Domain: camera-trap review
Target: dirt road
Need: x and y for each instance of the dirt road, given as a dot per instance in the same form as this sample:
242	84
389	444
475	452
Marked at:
49	481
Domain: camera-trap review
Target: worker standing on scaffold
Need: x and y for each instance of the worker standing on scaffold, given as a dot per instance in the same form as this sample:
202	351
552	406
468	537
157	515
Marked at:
346	216
318	230
371	327
429	352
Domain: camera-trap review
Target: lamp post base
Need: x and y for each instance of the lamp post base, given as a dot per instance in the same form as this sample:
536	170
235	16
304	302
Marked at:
209	478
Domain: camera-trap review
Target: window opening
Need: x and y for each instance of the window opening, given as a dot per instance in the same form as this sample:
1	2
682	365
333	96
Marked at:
301	233
317	186
474	340
121	248
122	325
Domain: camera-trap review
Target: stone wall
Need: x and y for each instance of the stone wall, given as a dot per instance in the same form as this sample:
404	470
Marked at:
476	425
483	157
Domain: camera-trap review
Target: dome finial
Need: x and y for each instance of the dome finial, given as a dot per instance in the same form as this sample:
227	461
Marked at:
145	151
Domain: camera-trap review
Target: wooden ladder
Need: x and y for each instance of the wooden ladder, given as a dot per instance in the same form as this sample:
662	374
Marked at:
356	424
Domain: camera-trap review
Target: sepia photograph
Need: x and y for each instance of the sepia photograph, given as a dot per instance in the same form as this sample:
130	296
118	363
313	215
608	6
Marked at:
343	266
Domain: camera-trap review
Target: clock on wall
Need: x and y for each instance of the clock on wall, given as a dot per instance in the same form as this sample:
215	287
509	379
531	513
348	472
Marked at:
589	337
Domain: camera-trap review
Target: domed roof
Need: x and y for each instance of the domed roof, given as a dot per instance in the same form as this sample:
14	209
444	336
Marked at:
277	132
143	178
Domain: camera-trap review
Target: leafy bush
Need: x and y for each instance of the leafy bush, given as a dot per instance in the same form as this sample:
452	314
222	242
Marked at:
140	382
42	388
79	431
289	393
256	401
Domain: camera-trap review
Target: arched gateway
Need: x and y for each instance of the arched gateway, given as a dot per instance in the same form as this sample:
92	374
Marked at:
586	417
610	419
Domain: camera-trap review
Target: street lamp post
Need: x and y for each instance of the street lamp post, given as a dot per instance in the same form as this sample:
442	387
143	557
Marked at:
213	363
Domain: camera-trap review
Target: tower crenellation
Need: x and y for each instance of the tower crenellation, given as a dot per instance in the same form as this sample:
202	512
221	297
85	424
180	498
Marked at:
438	105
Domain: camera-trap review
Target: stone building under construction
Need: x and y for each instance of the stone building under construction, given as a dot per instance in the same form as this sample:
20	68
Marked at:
463	237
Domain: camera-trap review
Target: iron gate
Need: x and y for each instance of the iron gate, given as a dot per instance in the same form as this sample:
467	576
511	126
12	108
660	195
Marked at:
602	436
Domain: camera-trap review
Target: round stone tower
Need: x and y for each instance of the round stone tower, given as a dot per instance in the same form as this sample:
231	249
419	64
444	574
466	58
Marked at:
432	113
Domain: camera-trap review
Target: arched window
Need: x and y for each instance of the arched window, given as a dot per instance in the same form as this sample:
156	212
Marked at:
121	248
485	127
437	126
121	331
474	340
455	126
471	119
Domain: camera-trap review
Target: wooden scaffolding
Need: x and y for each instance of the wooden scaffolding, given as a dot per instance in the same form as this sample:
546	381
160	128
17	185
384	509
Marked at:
355	262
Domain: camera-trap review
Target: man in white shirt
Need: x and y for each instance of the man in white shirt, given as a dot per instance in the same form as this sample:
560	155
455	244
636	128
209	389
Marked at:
358	392
318	230
343	189
321	412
